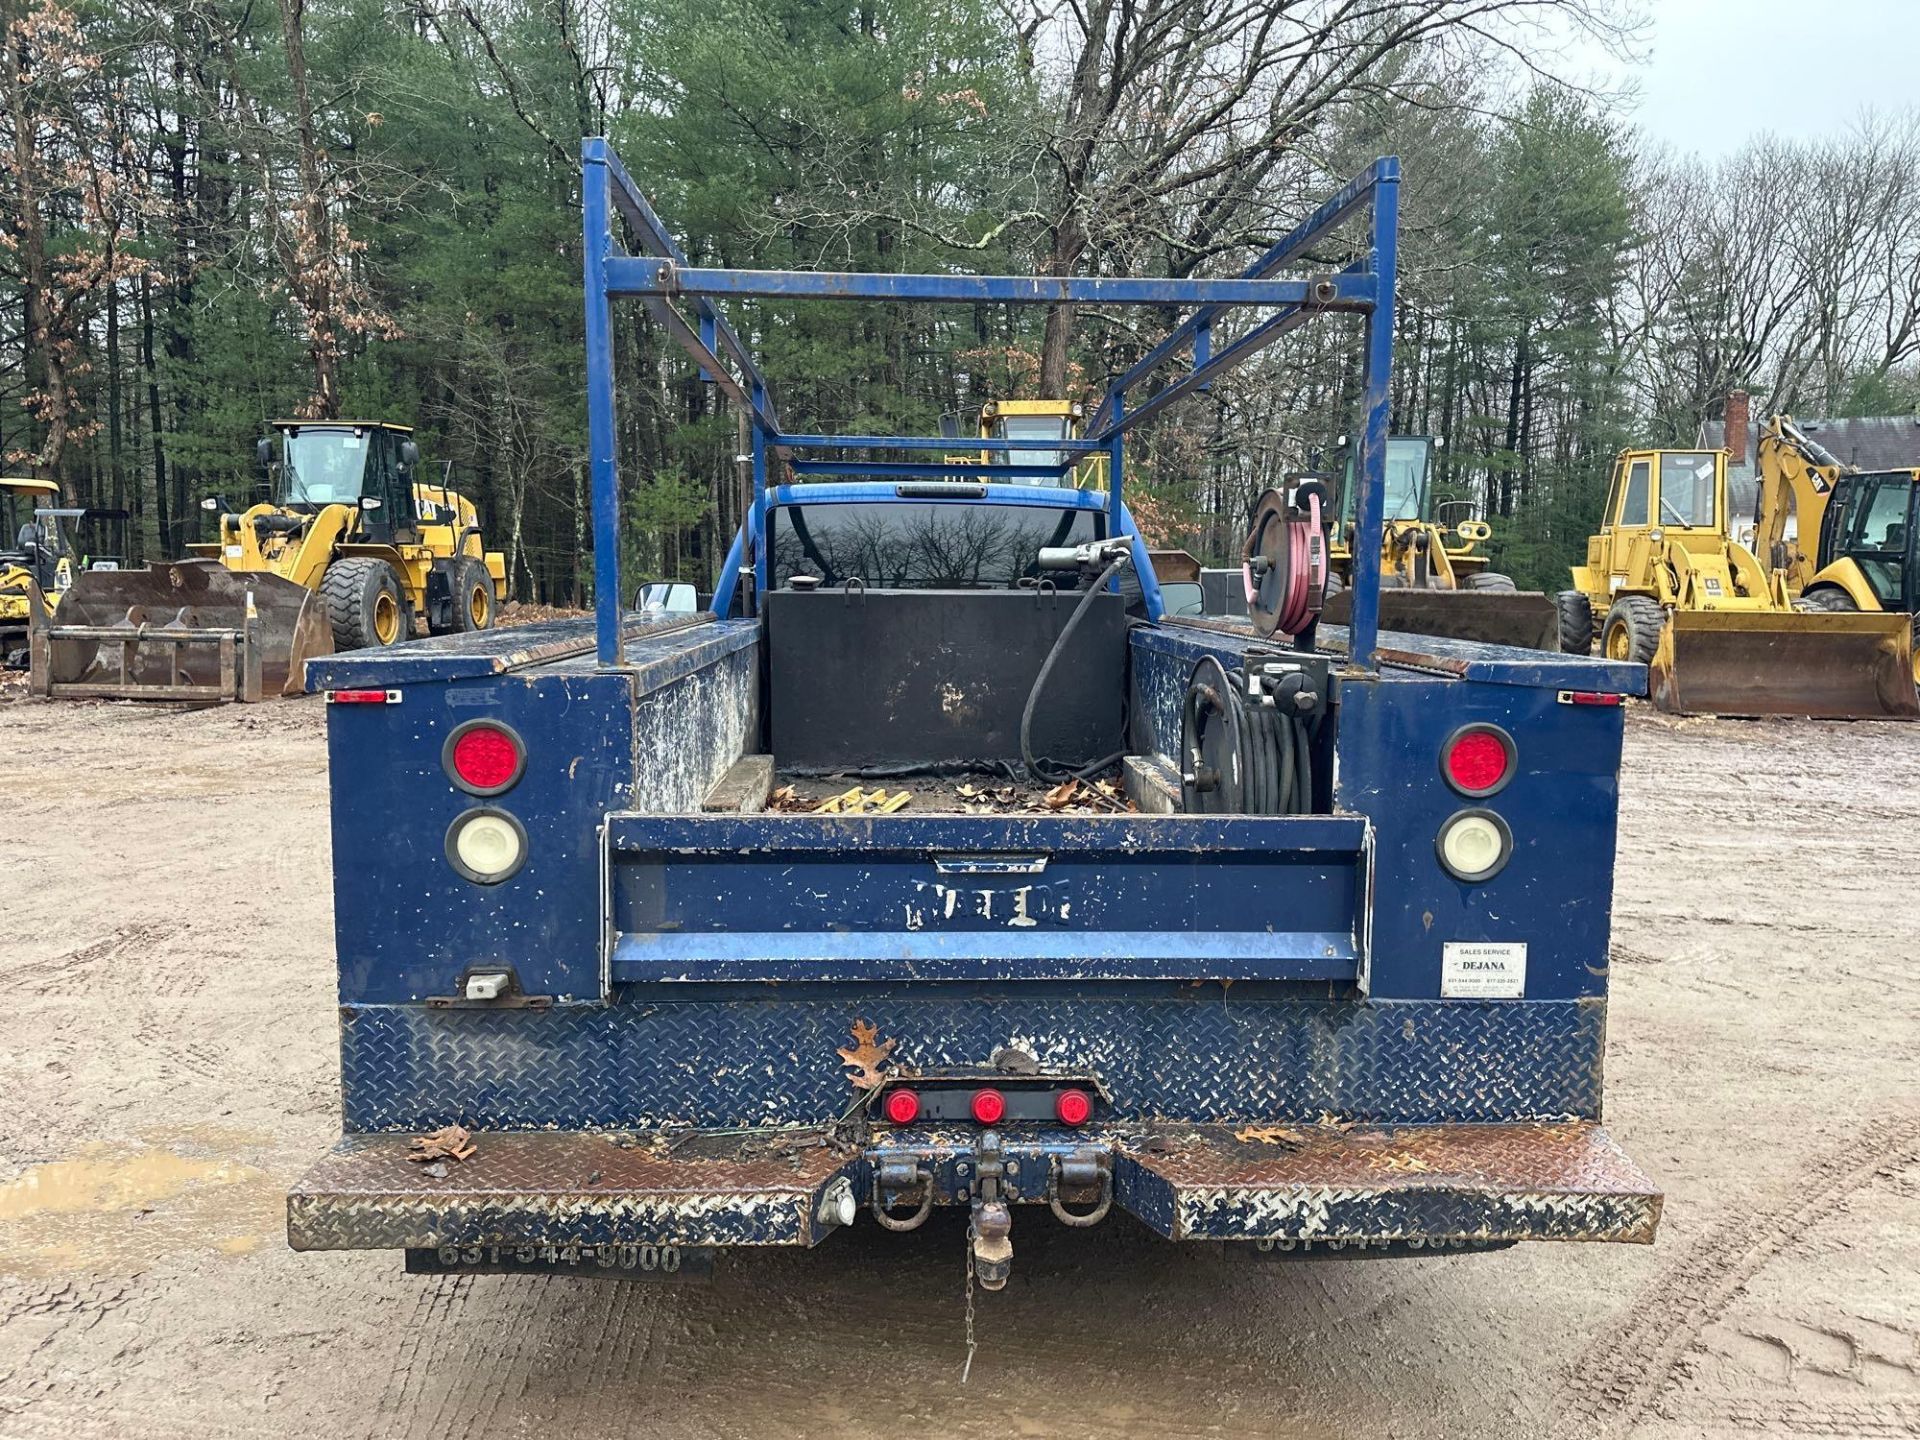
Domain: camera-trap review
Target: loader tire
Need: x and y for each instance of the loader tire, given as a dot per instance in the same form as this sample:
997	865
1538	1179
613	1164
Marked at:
473	597
1633	627
1576	622
365	605
1491	580
1830	599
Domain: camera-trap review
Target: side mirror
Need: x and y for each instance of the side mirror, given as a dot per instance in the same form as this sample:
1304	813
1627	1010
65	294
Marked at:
263	453
211	504
1182	597
409	454
370	502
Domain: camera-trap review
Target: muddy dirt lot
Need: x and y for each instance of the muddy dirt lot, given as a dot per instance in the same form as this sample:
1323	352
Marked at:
167	1065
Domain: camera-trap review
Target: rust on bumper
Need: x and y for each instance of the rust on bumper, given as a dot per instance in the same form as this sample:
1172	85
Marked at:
1433	1182
572	1187
1427	1184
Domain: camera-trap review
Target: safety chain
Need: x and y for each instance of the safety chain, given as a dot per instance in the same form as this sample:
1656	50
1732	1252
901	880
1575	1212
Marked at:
966	1258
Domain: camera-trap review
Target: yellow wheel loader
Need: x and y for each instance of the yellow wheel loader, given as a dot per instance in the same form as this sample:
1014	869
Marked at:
1433	577
1673	590
347	551
1031	420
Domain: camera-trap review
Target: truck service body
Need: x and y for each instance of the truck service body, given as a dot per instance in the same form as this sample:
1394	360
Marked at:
674	1017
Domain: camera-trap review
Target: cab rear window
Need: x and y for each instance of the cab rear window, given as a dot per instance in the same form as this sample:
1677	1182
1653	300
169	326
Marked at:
934	545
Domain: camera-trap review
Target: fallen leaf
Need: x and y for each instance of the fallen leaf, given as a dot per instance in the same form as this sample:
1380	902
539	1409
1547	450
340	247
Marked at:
1331	1121
867	1056
1061	795
1269	1135
450	1142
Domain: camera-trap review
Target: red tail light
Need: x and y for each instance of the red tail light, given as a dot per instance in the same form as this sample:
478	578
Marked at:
902	1107
483	757
989	1106
1478	759
1073	1107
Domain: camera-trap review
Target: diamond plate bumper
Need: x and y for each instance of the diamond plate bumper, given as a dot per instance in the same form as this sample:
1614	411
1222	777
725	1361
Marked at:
1430	1182
584	1189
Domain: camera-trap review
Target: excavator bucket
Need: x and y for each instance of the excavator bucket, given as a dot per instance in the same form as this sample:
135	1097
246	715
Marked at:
190	630
1493	617
1827	665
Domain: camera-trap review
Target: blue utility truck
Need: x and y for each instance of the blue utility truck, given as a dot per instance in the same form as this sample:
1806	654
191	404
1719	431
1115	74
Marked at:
933	865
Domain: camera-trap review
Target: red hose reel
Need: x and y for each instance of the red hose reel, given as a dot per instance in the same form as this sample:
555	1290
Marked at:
1284	562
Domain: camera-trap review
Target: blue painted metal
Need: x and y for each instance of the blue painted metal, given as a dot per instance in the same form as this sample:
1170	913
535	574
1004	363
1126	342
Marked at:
1332	212
597	239
699	898
917	470
945	444
1372	470
638	275
665	276
1171	1052
679	970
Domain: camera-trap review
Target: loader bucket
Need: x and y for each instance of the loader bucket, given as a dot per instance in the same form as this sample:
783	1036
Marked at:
1827	665
1493	617
190	630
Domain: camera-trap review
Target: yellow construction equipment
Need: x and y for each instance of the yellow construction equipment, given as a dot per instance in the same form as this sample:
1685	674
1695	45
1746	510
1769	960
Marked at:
1716	628
43	545
347	551
28	556
1844	540
1035	420
1433	576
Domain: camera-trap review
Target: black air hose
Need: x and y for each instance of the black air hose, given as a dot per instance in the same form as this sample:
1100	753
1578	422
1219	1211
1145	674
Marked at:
1040	766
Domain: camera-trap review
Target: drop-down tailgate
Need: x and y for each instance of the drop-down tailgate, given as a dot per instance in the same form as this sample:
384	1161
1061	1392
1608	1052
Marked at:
958	897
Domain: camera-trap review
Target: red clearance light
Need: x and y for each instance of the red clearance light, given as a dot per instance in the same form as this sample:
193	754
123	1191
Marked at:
989	1106
1073	1107
484	758
902	1107
1478	759
363	697
1590	697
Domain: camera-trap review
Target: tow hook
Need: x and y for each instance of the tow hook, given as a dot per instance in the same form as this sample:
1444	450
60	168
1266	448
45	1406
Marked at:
990	1236
1077	1174
894	1179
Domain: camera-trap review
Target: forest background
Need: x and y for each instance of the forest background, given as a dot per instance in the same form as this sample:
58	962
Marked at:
218	212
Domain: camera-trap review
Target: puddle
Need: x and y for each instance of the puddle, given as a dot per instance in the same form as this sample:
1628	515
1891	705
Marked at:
118	1209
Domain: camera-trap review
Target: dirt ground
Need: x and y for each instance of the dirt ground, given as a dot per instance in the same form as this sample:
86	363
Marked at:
167	1065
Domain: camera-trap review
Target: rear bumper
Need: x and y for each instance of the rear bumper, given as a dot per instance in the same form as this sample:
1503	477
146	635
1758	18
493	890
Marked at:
1434	1183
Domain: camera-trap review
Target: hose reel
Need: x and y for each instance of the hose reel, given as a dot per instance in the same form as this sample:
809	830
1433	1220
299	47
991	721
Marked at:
1283	565
1247	735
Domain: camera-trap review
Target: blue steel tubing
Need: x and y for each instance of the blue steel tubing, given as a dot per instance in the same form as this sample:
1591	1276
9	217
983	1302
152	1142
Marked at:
762	561
597	224
1335	209
1370	509
1116	452
945	444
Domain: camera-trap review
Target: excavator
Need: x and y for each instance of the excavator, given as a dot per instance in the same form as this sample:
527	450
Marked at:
42	548
1718	630
1433	577
347	550
1845	541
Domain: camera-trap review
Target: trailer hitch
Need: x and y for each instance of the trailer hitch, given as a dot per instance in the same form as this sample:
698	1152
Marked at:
990	1234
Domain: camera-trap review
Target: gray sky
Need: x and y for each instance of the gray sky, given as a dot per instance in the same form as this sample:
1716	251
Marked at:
1723	70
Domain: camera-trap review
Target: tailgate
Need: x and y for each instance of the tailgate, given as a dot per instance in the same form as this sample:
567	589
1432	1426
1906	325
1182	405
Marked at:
957	897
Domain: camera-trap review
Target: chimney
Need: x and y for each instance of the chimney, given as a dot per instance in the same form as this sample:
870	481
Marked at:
1737	418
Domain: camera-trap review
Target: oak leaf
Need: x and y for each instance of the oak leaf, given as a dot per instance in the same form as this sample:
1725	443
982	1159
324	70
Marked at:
867	1056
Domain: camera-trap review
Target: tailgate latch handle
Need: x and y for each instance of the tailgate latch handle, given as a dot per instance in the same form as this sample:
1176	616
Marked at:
990	864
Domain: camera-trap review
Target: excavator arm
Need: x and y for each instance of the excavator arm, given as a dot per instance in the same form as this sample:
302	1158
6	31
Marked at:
1796	474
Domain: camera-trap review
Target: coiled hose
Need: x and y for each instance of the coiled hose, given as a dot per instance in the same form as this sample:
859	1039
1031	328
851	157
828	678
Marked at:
1241	755
1297	564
